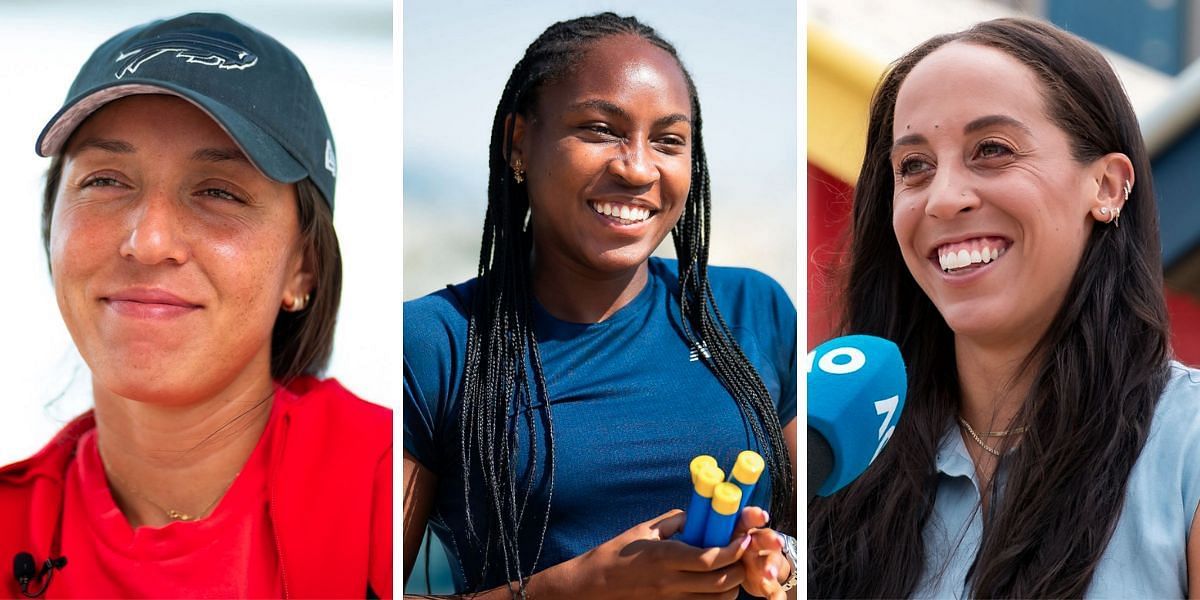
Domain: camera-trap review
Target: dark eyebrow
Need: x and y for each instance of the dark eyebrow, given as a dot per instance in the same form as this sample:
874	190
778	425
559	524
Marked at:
912	139
916	139
994	120
605	106
114	146
219	155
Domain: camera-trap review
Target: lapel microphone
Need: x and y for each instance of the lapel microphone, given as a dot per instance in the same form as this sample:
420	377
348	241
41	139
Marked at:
25	571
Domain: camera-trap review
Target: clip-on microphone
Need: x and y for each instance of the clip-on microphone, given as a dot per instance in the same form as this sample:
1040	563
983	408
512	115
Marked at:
25	571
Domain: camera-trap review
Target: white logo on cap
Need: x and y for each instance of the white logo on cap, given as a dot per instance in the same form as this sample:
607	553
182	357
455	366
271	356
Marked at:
330	159
191	48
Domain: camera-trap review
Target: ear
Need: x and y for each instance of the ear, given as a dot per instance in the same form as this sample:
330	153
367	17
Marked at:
300	282
515	124
1114	177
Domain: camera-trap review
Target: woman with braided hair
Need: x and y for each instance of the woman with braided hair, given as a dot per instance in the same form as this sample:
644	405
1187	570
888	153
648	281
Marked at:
553	403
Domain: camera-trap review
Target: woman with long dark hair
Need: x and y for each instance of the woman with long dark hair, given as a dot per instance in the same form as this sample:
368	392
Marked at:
1005	236
553	403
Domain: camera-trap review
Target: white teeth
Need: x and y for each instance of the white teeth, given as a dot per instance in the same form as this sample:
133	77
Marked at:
622	211
963	258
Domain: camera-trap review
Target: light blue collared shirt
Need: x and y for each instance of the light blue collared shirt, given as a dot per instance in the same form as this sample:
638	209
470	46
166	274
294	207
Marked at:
1147	555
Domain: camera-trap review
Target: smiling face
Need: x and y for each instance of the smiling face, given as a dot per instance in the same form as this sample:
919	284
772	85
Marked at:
608	156
990	210
171	254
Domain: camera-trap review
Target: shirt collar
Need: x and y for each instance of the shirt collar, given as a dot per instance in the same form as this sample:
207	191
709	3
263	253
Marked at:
952	457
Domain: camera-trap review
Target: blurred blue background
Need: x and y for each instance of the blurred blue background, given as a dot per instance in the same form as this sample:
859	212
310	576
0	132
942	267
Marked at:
457	56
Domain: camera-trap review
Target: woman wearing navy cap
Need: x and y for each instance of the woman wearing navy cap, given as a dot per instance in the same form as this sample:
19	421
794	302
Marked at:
553	404
188	223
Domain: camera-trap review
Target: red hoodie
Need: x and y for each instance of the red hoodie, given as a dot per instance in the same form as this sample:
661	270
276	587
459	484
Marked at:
329	486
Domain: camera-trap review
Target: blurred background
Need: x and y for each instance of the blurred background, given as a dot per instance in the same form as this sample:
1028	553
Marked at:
457	56
1153	45
347	47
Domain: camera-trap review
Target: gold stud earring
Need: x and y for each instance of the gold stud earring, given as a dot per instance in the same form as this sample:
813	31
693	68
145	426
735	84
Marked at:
297	304
518	171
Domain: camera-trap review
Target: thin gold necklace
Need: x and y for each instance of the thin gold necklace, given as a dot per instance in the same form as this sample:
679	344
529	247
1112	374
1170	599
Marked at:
1006	433
178	515
174	515
975	436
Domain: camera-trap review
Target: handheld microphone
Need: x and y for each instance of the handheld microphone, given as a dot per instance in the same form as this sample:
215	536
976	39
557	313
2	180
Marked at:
856	390
25	571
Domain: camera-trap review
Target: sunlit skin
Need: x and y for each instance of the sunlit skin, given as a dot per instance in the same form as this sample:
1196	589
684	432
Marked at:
617	130
171	257
977	157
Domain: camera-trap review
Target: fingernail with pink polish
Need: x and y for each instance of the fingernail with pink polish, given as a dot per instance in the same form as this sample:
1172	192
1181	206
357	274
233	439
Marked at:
766	516
745	541
773	571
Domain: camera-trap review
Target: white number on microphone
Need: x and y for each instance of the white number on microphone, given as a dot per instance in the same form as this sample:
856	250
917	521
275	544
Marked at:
888	408
843	361
854	359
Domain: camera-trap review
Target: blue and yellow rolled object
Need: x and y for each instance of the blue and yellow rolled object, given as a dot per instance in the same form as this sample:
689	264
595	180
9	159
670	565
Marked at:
745	474
722	514
705	476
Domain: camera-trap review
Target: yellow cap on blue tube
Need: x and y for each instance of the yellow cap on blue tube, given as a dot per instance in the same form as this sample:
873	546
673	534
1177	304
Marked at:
748	467
705	476
722	515
707	479
725	498
698	464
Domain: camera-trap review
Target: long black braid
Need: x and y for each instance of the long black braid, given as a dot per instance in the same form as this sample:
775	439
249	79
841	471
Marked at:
502	351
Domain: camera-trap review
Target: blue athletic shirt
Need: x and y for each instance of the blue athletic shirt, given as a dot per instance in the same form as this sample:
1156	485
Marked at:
631	407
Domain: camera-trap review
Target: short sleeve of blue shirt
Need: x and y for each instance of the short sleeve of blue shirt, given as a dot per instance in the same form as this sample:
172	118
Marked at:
435	338
764	320
632	404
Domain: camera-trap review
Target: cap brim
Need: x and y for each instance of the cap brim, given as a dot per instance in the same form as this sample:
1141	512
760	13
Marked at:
263	151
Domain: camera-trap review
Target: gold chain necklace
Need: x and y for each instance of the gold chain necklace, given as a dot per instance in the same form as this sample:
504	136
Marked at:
1017	431
174	515
178	515
975	436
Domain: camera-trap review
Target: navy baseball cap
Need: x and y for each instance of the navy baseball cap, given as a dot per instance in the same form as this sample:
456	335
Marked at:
247	81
